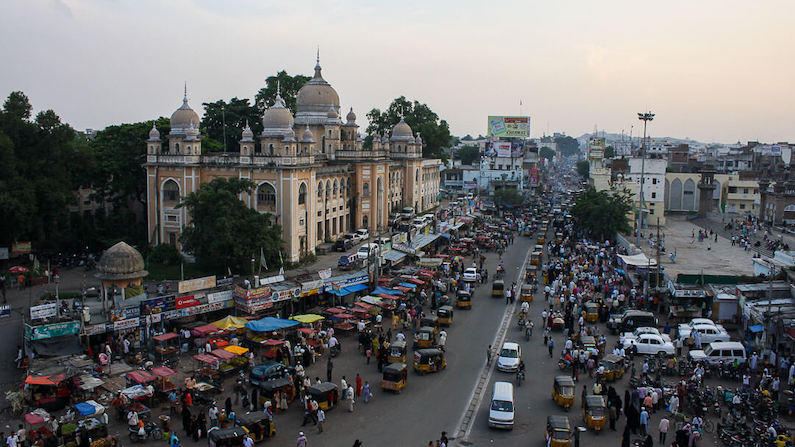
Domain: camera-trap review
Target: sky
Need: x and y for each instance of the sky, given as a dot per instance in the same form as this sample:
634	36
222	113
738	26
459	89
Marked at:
711	70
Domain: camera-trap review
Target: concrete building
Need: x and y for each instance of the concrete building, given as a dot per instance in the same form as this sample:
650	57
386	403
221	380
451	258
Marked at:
310	170
598	173
653	187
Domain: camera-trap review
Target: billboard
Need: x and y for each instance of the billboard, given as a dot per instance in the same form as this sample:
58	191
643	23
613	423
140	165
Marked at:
506	149
509	126
190	285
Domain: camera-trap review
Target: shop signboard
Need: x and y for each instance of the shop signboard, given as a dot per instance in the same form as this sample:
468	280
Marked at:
126	324
311	287
125	313
182	302
43	311
20	248
225	281
281	295
153	305
254	306
172	314
52	330
325	273
95	329
204	308
250	294
218	297
207	282
509	126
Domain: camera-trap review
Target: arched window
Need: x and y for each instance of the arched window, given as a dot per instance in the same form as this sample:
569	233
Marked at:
170	191
302	194
365	221
417	175
336	188
366	190
266	197
176	148
319	189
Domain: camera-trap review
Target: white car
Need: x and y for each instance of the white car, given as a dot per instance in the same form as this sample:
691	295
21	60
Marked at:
685	328
354	238
510	355
471	274
642	330
651	344
710	333
367	250
363	233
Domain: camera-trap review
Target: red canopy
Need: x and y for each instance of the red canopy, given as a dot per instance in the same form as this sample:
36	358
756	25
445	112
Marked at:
33	419
419	282
19	269
307	331
140	377
164	337
335	310
402	289
163	371
205	358
222	354
389	297
343	316
364	306
205	330
45	380
273	342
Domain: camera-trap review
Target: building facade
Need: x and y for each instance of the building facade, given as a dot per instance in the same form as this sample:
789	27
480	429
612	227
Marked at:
311	172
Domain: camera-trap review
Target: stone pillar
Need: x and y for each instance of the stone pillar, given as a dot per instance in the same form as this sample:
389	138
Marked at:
763	185
706	188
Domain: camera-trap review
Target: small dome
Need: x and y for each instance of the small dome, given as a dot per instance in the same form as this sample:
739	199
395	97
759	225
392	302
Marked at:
331	114
307	137
402	130
418	140
184	116
192	133
289	136
351	117
278	116
384	139
121	262
247	134
154	134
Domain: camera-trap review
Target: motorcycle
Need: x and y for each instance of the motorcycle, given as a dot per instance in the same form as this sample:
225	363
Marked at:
150	430
519	378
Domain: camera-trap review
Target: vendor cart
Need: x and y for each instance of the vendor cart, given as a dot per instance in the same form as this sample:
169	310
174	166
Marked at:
166	346
164	384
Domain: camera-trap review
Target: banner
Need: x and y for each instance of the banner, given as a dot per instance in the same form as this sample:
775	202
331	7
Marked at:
218	297
125	313
271	280
311	287
4	252
182	302
44	311
509	126
20	248
208	282
95	329
126	324
325	273
224	282
52	330
153	305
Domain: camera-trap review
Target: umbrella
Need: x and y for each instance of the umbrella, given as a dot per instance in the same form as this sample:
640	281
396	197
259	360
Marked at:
458	258
18	269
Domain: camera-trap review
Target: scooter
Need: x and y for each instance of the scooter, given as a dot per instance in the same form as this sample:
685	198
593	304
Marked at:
519	378
150	430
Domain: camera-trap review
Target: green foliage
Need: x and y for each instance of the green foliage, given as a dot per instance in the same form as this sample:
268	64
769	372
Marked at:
610	152
467	137
225	231
507	196
435	132
165	254
602	214
583	168
289	86
568	146
235	114
547	152
468	154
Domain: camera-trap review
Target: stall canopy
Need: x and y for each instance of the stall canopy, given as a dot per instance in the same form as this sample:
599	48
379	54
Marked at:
384	291
307	318
230	322
270	324
89	408
205	330
394	256
164	337
349	289
163	371
66	345
221	354
45	380
141	376
371	300
407	285
237	350
205	358
88	383
638	260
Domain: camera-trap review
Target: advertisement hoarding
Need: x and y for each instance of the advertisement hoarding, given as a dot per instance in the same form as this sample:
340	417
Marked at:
182	302
208	282
509	126
43	311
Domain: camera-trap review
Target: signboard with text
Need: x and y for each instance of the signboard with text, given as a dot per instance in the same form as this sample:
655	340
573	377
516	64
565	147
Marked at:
182	302
52	330
509	126
207	282
43	311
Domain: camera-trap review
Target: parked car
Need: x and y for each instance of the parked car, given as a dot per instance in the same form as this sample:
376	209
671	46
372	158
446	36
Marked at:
710	333
367	250
268	371
510	355
363	233
471	274
353	237
343	244
348	261
642	330
650	344
683	330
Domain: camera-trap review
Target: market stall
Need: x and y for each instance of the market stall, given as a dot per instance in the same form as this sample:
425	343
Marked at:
48	392
207	366
164	384
166	345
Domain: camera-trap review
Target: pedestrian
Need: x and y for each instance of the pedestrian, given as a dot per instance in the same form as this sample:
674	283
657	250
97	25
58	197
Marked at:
648	442
321	418
644	421
551	346
357	443
247	441
358	384
344	388
488	355
228	405
613	417
22	436
673	404
366	391
329	368
212	414
625	436
351	401
663	428
301	440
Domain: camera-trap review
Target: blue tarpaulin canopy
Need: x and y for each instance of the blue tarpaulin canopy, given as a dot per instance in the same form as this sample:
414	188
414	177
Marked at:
89	408
384	291
409	285
346	290
756	328
356	287
270	324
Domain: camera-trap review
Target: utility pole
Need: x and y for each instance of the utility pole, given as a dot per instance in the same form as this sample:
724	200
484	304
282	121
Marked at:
223	119
658	253
645	117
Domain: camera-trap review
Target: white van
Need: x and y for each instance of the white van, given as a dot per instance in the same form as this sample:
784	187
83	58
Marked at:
367	250
720	351
501	411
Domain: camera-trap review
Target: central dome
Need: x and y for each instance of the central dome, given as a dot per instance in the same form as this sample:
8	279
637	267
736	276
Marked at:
402	131
121	262
183	117
278	117
315	98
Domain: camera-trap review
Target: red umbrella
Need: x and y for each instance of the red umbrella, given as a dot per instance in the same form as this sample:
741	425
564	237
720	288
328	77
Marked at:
18	269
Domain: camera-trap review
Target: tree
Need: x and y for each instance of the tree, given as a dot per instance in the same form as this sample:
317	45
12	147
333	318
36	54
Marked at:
568	146
468	137
507	196
289	86
602	214
610	152
225	232
548	153
468	154
435	132
232	116
583	168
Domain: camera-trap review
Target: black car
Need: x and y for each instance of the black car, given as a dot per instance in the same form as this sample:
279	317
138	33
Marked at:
343	244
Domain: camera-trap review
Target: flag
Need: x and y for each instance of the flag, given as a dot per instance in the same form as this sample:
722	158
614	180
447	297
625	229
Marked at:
281	271
325	273
262	261
281	262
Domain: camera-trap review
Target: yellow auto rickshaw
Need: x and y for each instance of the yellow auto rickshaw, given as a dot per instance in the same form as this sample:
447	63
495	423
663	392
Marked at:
527	293
258	423
535	258
498	288
429	360
558	432
594	413
394	377
425	338
613	367
326	394
530	272
463	299
559	238
563	391
445	315
397	352
591	310
430	321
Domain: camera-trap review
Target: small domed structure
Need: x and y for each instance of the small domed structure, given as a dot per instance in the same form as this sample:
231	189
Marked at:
307	137
351	117
278	117
184	116
402	131
154	134
247	135
331	114
121	262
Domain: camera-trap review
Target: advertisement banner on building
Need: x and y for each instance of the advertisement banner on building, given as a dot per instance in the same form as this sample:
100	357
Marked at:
126	324
225	281
153	305
325	273
250	294
509	126
399	238
253	306
95	329
52	330
207	282
204	308
125	313
43	311
218	297
499	149
20	248
311	287
182	302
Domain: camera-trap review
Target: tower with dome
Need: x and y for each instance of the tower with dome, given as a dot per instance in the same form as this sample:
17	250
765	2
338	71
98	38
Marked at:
312	174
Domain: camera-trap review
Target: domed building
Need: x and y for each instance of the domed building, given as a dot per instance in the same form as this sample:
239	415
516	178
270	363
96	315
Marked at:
313	176
121	267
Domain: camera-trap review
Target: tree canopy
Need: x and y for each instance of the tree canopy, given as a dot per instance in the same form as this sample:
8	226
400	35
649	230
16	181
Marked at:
602	214
435	132
225	232
234	115
583	168
468	154
507	196
610	152
547	152
289	86
568	146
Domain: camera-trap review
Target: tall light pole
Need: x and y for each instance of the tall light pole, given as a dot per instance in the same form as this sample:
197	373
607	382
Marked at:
645	117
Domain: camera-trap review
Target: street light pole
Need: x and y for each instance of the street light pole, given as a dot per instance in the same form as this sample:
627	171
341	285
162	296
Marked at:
645	117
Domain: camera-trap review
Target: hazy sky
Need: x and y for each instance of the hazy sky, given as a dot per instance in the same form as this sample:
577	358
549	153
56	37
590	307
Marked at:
711	70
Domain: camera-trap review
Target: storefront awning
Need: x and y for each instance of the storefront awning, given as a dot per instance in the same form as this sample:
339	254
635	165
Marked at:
66	345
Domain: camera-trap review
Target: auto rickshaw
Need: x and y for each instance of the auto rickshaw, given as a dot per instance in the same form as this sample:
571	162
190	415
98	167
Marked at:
614	367
431	321
498	288
541	239
429	360
531	272
326	394
563	391
397	352
425	338
588	342
558	432
445	315
463	299
535	258
258	423
527	293
227	437
559	238
395	375
591	312
594	412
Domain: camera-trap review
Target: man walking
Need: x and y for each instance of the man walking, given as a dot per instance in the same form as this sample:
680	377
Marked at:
664	423
329	368
321	418
550	345
301	440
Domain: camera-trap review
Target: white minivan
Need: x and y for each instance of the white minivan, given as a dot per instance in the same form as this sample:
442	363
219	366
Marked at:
501	411
367	250
720	351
